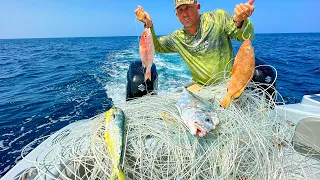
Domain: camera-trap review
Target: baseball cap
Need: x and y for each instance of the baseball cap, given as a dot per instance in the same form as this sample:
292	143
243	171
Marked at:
180	2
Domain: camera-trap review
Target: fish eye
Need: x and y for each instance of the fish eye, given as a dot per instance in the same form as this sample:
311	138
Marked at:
207	120
145	36
247	49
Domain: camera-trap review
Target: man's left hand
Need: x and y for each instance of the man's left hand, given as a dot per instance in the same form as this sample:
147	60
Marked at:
243	11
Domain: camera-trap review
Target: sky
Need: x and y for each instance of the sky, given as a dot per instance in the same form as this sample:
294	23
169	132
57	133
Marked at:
95	18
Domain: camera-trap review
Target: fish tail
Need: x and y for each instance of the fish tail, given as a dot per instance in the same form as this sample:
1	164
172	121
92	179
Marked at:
226	101
117	174
148	74
121	175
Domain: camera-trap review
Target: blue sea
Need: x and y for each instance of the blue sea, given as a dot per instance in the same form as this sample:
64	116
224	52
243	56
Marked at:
46	84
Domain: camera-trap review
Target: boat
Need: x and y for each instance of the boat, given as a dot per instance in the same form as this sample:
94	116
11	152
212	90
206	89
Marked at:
309	107
305	115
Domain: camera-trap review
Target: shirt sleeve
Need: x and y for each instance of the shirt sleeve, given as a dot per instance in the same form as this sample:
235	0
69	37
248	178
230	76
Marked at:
245	32
164	44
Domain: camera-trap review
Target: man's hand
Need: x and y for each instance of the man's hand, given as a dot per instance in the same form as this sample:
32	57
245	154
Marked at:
143	16
243	11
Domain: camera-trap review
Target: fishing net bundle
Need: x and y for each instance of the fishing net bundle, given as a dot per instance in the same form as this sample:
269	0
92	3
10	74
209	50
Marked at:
251	142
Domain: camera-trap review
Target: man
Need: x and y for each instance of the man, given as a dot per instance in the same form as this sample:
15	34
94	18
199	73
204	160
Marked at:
204	41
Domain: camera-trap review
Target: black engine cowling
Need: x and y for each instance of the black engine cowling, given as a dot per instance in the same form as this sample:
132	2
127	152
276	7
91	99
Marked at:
136	85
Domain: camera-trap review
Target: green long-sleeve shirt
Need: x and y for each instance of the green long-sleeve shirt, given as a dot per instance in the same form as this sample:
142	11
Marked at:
208	53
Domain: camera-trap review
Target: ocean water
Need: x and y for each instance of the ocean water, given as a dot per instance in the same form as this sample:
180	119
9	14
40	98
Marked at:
46	84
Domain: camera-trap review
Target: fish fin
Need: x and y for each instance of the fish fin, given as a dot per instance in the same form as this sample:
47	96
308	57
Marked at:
106	136
108	121
148	74
117	174
195	88
236	95
108	116
226	101
121	175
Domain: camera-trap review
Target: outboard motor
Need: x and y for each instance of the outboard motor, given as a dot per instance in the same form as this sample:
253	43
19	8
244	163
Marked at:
265	75
136	86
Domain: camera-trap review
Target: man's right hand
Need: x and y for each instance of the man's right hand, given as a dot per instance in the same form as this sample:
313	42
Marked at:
243	11
143	16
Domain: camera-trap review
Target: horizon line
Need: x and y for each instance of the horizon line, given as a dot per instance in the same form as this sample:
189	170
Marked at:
136	36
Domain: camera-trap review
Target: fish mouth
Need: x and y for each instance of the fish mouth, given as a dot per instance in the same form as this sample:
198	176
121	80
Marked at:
201	132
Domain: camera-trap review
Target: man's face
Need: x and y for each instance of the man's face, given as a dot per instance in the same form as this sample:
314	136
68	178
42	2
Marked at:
188	14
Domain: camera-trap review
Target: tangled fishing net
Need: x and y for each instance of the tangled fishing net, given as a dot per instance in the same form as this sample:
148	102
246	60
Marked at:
251	142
